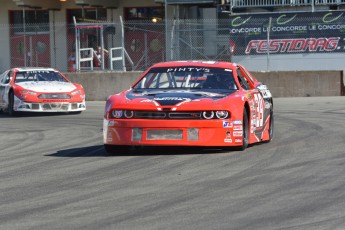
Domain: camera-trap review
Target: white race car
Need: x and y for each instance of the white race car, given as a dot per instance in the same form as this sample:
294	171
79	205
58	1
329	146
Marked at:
33	89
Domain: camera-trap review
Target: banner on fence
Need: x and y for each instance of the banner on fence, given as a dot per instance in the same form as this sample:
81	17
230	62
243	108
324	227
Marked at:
286	33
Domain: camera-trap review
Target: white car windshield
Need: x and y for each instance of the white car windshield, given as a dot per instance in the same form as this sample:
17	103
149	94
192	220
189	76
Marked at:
39	75
187	78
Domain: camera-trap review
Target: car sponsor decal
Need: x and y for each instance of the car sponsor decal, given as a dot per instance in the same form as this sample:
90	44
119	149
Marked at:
237	140
38	71
259	101
237	133
267	105
228	138
238	127
264	91
150	101
170	99
237	122
54	100
252	129
227	124
189	69
173	97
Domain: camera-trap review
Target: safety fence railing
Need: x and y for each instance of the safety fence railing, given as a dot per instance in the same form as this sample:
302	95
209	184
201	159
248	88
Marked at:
282	3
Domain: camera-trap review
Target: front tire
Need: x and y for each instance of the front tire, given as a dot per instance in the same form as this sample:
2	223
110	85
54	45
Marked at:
10	109
75	112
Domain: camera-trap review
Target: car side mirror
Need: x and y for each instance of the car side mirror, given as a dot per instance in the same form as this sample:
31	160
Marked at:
7	80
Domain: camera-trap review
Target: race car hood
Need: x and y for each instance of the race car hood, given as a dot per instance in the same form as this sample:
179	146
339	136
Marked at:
48	86
174	97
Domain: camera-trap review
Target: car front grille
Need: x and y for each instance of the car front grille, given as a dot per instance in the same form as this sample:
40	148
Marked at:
74	106
35	106
55	106
166	115
54	96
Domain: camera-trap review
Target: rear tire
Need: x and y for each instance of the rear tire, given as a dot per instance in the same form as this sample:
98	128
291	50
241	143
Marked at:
113	150
271	128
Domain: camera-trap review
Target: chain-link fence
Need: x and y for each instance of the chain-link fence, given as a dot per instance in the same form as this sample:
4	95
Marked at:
262	42
281	41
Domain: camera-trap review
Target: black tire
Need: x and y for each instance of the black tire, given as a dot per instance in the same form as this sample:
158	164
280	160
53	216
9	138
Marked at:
245	134
75	113
10	109
245	130
271	128
113	150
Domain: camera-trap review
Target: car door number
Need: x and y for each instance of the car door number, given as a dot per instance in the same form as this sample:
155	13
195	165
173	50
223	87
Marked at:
259	103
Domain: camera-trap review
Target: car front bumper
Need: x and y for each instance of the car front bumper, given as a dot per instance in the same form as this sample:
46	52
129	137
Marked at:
21	106
172	132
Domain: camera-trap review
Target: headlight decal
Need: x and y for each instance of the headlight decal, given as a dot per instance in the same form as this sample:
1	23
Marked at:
129	113
222	114
116	113
208	114
28	92
76	92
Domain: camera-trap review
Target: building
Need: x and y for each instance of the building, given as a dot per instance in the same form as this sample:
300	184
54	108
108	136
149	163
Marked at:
46	30
262	34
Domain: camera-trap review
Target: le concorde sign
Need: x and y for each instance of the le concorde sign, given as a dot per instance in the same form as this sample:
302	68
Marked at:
288	33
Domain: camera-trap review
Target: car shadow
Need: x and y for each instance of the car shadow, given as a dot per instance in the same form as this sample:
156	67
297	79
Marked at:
89	151
99	151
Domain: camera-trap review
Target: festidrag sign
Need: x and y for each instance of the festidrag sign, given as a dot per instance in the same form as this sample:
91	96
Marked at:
286	33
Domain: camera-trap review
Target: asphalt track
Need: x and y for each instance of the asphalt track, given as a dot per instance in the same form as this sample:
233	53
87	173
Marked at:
54	174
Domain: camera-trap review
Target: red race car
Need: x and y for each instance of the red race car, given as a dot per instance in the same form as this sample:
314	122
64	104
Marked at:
34	89
190	103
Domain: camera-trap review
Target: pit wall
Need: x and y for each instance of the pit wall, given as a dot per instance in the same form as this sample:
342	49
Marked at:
99	85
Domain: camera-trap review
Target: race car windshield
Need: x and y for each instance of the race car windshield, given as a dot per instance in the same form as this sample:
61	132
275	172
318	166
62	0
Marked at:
39	75
188	78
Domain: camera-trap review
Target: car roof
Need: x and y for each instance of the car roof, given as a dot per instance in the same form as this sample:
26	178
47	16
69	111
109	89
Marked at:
216	64
20	69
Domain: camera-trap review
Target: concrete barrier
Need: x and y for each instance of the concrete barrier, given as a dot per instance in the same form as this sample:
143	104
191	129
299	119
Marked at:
99	85
303	83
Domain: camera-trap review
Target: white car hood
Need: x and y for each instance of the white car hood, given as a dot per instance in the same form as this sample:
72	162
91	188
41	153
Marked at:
48	86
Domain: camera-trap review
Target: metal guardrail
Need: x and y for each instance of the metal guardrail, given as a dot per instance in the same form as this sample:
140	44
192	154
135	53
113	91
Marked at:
282	3
116	58
89	53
